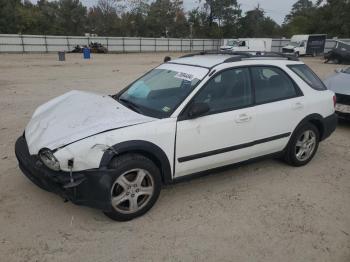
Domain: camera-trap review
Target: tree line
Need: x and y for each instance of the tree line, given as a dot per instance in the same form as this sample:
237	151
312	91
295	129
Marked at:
167	18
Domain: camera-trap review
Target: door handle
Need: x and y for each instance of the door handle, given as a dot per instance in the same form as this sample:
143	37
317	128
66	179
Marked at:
242	118
298	106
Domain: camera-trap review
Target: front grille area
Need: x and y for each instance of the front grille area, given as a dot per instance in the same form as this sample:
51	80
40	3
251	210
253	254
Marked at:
286	50
343	99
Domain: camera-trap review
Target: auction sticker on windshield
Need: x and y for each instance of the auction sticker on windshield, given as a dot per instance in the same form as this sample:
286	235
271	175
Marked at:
184	76
196	72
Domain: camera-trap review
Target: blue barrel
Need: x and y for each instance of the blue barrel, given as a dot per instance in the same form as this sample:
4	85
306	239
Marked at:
86	53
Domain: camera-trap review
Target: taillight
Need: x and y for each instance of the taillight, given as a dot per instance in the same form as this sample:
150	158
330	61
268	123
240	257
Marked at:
334	100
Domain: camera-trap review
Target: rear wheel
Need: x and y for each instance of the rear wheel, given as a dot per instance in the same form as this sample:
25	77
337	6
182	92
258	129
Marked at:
136	187
303	145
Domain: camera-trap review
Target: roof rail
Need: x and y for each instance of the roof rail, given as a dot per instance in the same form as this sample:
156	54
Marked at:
245	54
239	55
277	54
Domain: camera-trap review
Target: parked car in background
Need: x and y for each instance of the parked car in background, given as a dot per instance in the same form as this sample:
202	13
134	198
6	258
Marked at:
93	46
185	117
247	44
97	48
77	49
339	83
339	54
301	45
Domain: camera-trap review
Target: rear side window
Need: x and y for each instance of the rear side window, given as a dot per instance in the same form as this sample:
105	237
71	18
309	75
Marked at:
305	73
271	84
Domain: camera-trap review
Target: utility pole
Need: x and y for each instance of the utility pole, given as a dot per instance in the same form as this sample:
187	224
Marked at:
191	35
220	17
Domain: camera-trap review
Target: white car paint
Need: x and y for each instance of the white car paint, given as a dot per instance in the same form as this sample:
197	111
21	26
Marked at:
210	133
81	125
76	115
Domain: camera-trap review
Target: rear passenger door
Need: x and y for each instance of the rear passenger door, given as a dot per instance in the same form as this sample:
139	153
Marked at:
279	108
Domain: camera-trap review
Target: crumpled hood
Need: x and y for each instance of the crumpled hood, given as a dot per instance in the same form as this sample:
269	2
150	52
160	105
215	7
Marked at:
74	116
339	83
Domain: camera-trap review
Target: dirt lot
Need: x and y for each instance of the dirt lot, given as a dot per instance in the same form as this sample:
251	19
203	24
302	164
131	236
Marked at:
265	211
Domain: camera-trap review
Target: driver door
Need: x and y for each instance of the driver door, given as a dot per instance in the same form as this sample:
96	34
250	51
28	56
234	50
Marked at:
223	135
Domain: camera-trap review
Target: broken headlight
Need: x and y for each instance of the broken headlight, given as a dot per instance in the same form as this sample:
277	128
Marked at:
47	157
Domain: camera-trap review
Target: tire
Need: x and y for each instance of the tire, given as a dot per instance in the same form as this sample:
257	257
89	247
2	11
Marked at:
294	154
136	187
296	54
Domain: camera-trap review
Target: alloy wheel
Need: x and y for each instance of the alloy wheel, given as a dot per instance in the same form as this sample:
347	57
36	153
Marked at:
132	191
305	145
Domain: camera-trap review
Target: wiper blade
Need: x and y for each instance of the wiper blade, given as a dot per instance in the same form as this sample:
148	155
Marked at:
130	105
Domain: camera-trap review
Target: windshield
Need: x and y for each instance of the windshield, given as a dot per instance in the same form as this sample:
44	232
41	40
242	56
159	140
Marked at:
160	92
346	70
343	47
232	43
295	44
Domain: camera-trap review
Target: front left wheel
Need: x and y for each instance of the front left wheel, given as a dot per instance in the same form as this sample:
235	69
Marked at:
135	188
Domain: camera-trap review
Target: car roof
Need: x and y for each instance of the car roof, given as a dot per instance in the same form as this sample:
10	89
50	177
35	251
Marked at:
241	58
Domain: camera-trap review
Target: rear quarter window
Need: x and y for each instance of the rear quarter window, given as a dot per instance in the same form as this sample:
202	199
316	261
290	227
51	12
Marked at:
305	73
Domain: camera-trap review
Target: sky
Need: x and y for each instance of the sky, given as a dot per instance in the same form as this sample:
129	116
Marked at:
276	9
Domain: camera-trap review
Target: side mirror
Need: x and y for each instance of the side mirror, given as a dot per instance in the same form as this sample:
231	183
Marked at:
197	110
338	70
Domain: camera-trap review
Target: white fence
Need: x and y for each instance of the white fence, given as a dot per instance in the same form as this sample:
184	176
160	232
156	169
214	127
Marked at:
39	43
45	44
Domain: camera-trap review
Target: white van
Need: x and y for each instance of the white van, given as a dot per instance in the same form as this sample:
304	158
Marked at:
247	44
305	45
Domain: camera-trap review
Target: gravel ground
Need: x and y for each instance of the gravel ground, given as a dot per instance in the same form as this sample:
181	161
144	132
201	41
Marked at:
266	211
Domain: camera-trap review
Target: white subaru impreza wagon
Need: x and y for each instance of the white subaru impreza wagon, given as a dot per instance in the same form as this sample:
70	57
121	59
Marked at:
187	116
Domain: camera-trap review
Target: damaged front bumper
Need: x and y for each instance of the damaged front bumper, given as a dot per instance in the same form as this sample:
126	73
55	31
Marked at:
89	188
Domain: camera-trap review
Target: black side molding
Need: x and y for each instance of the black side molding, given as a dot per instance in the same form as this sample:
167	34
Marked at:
232	148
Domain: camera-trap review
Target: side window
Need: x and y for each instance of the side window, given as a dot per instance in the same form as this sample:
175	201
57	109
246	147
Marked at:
228	90
271	84
308	76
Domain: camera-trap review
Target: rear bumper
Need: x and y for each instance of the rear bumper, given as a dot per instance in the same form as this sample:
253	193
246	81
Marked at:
91	187
345	116
329	124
